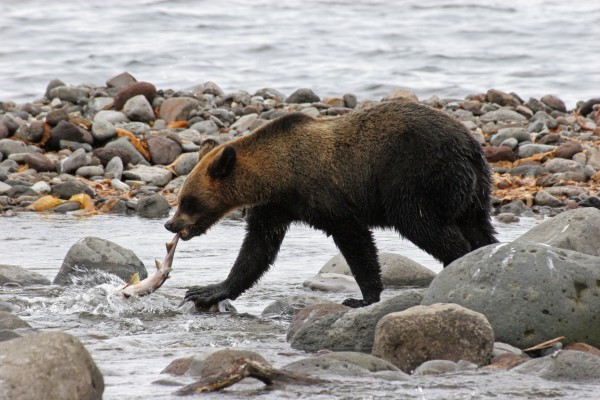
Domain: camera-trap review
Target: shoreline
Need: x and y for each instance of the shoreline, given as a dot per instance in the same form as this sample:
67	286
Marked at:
126	147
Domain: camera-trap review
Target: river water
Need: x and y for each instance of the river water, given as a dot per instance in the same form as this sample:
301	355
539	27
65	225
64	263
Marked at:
132	341
449	48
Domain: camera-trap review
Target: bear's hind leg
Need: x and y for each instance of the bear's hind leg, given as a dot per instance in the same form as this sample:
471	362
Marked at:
358	248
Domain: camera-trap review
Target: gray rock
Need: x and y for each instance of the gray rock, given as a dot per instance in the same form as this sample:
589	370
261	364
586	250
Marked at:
303	96
138	108
352	330
4	188
529	292
554	103
9	146
31	133
156	175
90	171
177	108
563	165
503	115
117	184
346	363
113	117
41	187
577	230
103	130
39	162
593	158
438	332
527	150
244	123
50	365
92	253
566	365
219	361
190	135
114	169
163	150
520	134
185	163
512	143
16	274
396	271
288	306
330	282
436	367
70	94
70	188
154	206
205	127
516	207
543	198
78	159
501	348
7	334
66	207
11	322
125	146
57	115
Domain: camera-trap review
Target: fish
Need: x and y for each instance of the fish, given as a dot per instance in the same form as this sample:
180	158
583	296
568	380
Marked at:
138	288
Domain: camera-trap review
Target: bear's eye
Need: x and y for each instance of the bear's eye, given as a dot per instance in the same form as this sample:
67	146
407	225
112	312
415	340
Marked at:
188	205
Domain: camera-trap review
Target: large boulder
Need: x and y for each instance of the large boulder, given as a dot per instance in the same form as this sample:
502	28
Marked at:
352	330
93	253
577	230
530	292
439	332
396	271
45	366
16	274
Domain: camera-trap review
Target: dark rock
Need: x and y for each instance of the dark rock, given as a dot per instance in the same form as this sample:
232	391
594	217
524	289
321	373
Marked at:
568	149
123	145
501	98
154	206
209	88
178	367
303	96
55	116
67	131
516	207
163	150
21	190
535	105
498	153
49	365
4	132
177	108
133	89
105	154
39	162
220	361
92	253
554	103
438	332
70	94
31	133
70	188
121	80
587	107
66	207
315	312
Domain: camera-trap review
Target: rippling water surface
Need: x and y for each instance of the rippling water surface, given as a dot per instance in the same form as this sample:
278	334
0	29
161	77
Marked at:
368	47
132	341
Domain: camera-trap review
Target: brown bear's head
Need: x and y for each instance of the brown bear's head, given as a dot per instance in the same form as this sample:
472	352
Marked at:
202	198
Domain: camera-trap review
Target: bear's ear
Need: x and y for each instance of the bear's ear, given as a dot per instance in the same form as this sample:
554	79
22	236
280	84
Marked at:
206	147
223	163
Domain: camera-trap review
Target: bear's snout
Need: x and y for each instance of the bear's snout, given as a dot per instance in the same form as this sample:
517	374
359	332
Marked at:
169	226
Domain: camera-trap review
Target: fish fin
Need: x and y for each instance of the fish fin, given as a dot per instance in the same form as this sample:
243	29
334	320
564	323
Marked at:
169	246
135	278
157	263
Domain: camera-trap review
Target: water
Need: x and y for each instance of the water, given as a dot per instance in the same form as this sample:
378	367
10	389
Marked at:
449	48
132	341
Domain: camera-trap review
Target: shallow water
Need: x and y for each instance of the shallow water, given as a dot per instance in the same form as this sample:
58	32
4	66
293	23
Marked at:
132	341
368	47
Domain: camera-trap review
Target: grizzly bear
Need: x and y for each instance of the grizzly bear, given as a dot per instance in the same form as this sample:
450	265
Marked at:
395	165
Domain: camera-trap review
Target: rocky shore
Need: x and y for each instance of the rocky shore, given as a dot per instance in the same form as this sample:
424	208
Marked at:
126	147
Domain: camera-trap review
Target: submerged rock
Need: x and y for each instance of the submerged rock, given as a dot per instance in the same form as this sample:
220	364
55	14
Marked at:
21	276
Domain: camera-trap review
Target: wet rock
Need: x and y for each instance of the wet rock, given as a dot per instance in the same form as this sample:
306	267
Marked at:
134	89
438	332
287	307
566	365
554	103
347	363
178	367
219	361
439	367
551	291
78	159
93	253
154	206
69	132
507	218
156	175
21	276
68	189
353	330
568	149
9	146
500	153
577	230
505	361
39	162
396	271
67	206
177	108
303	96
11	322
527	150
123	145
331	282
516	207
114	168
7	334
50	365
163	150
313	312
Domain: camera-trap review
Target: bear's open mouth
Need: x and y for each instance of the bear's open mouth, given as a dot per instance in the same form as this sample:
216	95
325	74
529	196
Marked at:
187	233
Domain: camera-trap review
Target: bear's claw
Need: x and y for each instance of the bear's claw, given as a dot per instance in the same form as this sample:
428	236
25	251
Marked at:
205	296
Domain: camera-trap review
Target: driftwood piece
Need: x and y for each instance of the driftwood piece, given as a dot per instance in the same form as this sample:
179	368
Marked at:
245	368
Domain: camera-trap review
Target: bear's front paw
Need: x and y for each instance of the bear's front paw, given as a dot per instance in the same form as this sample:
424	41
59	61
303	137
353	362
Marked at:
206	296
355	303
